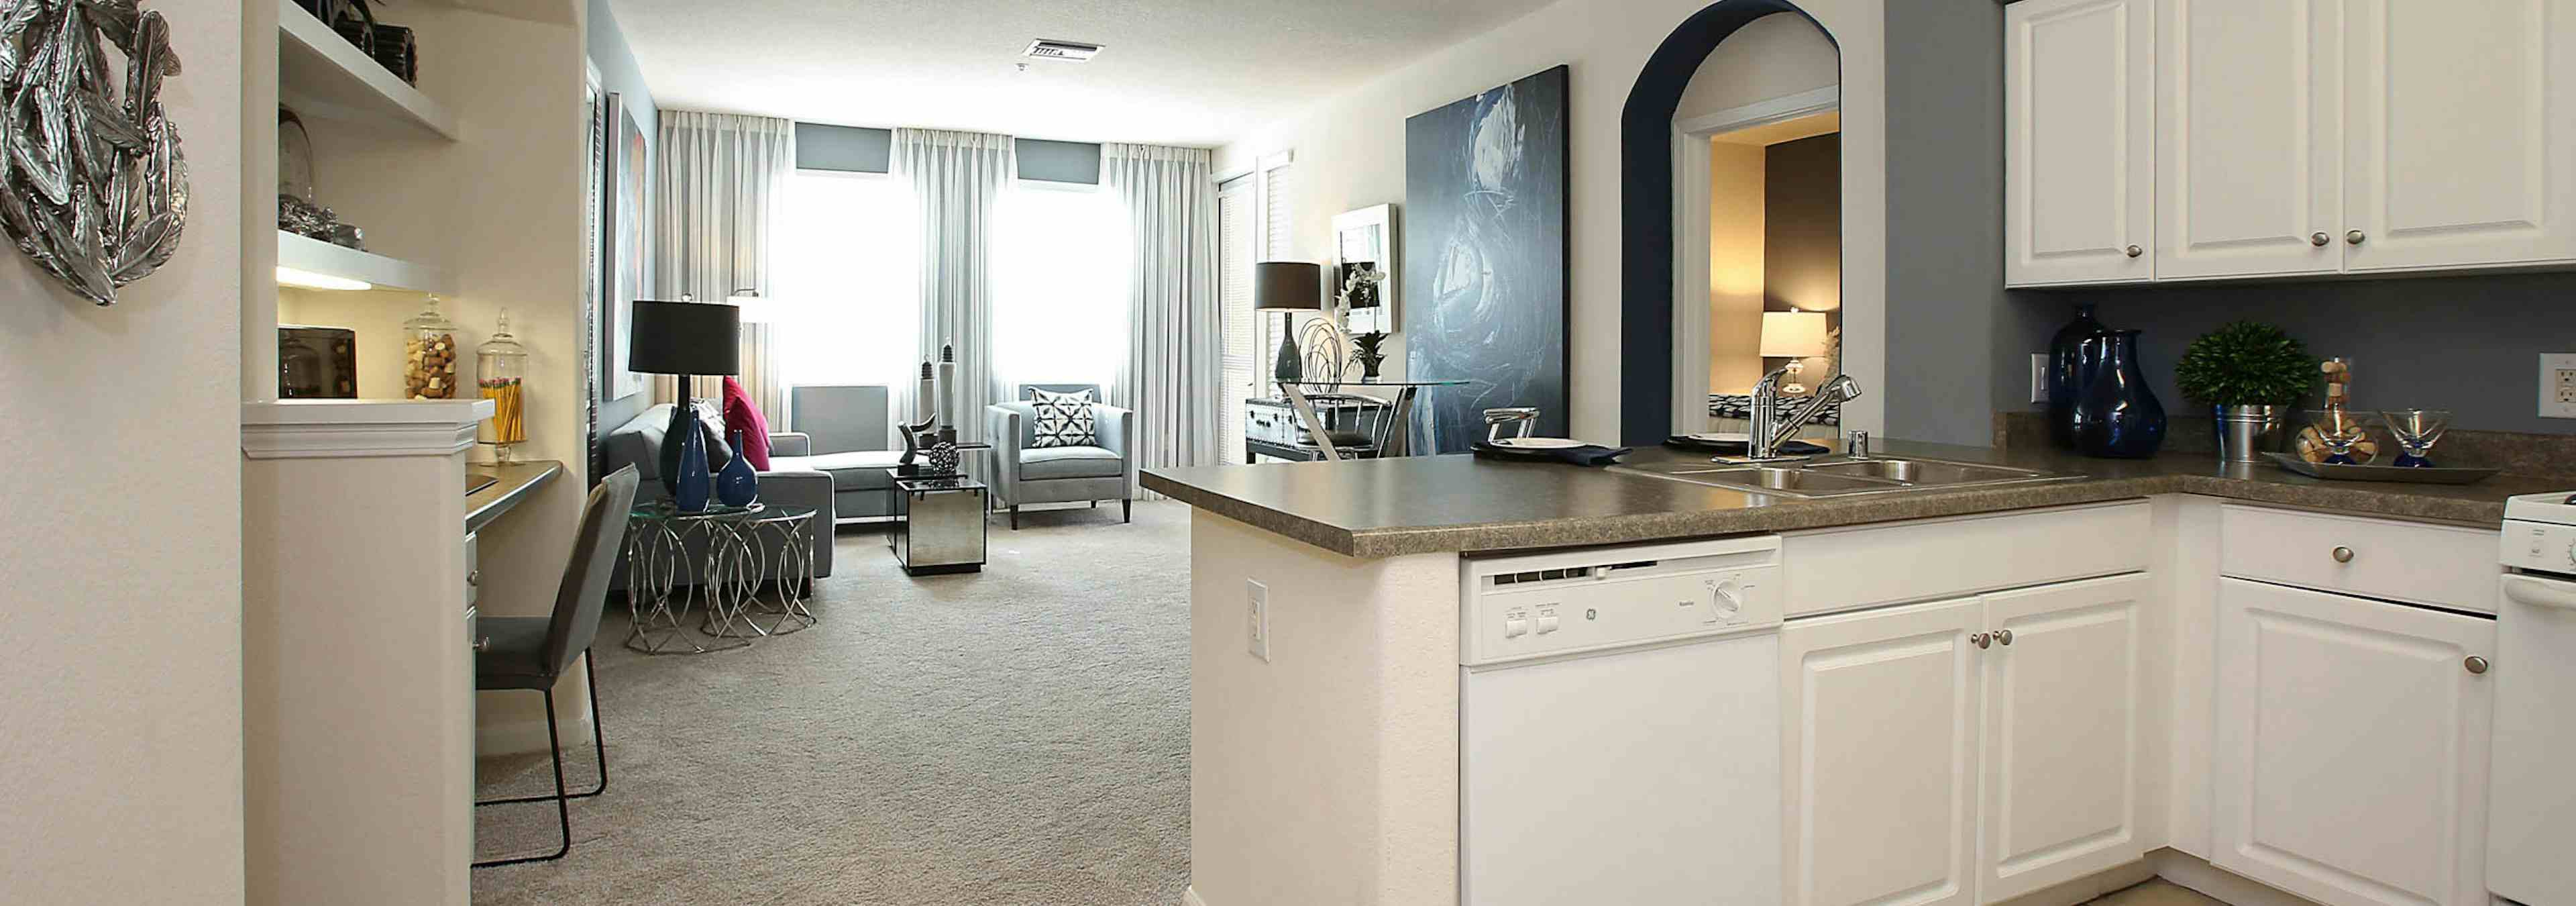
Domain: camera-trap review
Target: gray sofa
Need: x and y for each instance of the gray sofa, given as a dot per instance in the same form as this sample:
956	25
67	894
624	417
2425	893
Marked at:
1025	474
787	483
847	425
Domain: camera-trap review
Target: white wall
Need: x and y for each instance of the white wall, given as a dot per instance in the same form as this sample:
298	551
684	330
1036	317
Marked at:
122	696
1772	57
1350	154
1735	277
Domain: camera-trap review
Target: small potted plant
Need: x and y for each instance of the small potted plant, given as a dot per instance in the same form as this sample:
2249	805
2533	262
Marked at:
2249	374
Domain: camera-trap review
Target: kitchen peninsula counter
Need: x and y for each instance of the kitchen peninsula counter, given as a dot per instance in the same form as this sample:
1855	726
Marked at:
1429	504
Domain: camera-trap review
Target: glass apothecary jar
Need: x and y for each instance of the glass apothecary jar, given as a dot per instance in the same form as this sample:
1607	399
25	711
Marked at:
501	370
429	355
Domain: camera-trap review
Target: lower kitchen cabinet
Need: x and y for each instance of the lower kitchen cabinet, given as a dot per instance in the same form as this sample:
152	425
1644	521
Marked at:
1965	751
2351	747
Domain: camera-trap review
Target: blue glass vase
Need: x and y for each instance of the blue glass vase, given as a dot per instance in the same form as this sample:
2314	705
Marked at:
690	491
2117	417
2066	369
737	485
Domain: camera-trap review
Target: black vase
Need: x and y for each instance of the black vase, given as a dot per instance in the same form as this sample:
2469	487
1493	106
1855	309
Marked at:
2117	417
2066	373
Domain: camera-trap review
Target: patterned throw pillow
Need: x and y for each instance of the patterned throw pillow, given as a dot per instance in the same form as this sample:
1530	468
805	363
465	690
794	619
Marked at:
1064	419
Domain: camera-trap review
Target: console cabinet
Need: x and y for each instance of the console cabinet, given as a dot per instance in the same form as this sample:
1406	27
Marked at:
2285	139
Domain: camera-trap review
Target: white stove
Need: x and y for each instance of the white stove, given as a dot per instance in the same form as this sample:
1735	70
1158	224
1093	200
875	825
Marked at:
2531	819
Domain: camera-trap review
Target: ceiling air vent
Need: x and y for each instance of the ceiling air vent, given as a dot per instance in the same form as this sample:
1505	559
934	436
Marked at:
1062	51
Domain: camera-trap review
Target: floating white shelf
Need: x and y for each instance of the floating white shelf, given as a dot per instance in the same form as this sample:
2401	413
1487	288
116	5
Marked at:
318	257
321	74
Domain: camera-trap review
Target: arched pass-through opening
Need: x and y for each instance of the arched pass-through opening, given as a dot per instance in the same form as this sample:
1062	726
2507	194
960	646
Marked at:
1646	210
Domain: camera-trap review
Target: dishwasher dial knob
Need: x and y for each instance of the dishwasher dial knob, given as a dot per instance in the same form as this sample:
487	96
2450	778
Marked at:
1729	595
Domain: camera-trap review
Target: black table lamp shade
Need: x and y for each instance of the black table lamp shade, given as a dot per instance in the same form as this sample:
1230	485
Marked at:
1295	285
685	338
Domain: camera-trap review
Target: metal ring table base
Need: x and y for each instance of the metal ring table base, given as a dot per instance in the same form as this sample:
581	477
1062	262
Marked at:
728	594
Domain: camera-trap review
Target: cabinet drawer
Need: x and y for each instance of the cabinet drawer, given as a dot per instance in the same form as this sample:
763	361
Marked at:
1848	568
2436	565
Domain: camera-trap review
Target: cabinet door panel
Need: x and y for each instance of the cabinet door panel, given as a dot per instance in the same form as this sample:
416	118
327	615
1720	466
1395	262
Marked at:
2249	163
1880	749
2061	734
2460	146
2352	747
2079	175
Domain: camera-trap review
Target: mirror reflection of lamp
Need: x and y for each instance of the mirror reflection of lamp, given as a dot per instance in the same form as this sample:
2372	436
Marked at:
1796	336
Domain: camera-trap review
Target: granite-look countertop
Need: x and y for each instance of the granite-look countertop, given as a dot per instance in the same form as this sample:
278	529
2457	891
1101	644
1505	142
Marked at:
1426	504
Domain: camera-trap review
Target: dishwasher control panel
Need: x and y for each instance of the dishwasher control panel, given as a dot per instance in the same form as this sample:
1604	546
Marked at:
1538	605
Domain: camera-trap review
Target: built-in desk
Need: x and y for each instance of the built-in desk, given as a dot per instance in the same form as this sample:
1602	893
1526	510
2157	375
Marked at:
511	482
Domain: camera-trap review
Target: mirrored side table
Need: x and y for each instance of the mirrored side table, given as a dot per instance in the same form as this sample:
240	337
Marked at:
938	524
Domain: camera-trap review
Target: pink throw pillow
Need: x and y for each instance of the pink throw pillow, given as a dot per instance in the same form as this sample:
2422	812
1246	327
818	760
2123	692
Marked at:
740	415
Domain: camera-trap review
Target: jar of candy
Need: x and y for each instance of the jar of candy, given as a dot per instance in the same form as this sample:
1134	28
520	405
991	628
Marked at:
429	355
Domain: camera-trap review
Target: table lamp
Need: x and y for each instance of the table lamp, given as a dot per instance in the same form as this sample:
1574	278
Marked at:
1796	336
685	339
1288	286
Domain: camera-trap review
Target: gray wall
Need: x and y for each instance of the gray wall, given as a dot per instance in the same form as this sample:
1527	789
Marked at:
619	73
1802	224
864	149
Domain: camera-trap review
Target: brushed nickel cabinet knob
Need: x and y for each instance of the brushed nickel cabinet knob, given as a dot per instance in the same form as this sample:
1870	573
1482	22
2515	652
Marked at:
2343	555
1981	640
2318	239
2475	664
2135	251
2004	636
483	644
2355	237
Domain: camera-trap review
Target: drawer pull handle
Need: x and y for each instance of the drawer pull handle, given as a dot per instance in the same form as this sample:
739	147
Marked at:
2475	664
2343	555
2004	636
1981	640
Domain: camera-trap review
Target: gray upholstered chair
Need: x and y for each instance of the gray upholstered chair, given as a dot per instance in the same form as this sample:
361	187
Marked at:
1025	474
846	427
532	653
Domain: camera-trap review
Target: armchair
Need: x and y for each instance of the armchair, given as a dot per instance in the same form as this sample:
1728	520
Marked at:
1025	474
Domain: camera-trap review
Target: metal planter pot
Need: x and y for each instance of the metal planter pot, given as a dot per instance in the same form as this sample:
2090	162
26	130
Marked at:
2245	433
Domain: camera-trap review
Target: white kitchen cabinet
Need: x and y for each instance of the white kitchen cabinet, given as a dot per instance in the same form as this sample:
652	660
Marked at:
2249	177
2351	747
2079	179
1879	745
2061	734
2287	138
1964	751
2460	143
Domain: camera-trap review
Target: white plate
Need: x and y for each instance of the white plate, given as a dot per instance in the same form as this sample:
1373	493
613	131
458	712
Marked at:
1539	443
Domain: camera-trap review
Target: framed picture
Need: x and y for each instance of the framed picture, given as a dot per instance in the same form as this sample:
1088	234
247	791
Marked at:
1485	215
622	274
1364	240
594	360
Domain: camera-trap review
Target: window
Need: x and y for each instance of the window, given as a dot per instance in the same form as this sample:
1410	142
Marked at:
1234	260
843	254
1060	286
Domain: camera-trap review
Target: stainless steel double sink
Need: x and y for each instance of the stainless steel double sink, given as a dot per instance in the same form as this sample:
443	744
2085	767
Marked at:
1842	477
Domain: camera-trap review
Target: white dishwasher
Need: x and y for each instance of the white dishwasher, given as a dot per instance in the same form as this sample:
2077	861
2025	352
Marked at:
1619	726
2531	814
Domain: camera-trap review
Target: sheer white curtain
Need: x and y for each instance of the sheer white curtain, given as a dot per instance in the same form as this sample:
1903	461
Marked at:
842	297
719	178
958	179
1171	376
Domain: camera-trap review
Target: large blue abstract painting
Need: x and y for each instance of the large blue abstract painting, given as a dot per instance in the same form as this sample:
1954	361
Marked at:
1484	188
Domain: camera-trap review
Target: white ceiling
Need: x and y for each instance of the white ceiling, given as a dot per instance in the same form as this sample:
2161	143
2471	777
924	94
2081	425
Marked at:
1184	72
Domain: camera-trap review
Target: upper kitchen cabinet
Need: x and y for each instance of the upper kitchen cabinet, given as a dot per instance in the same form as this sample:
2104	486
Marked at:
2292	138
2079	187
2460	143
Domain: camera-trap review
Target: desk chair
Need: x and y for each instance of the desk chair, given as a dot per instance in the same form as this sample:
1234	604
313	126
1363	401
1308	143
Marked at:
531	653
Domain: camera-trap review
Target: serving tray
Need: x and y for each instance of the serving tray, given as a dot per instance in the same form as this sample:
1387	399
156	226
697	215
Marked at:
2425	475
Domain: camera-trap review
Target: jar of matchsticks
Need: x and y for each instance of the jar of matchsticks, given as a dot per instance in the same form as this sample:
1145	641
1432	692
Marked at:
501	368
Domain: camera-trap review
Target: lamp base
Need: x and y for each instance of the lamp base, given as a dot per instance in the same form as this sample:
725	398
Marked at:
1291	366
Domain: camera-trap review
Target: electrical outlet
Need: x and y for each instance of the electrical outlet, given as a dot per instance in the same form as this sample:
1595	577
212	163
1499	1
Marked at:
2558	385
1256	619
2039	377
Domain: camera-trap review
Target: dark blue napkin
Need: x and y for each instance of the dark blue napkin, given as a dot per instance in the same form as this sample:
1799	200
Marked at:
1586	455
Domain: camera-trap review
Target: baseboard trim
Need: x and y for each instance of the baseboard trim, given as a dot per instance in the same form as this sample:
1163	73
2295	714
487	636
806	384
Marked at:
2219	883
2087	888
1190	897
528	737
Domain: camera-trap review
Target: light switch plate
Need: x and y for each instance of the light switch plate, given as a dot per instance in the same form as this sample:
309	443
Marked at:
2039	377
1256	619
2558	385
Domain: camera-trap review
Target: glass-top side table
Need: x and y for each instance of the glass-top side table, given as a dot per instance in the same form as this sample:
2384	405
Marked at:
731	563
1394	435
939	523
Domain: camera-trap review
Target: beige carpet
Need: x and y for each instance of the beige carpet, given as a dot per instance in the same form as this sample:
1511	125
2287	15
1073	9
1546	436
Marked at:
1015	737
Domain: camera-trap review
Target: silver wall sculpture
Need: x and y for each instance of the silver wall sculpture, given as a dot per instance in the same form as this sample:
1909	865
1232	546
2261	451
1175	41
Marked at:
93	186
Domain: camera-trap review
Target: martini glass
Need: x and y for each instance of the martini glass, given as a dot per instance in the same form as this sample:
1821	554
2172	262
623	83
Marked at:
2340	430
2416	431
